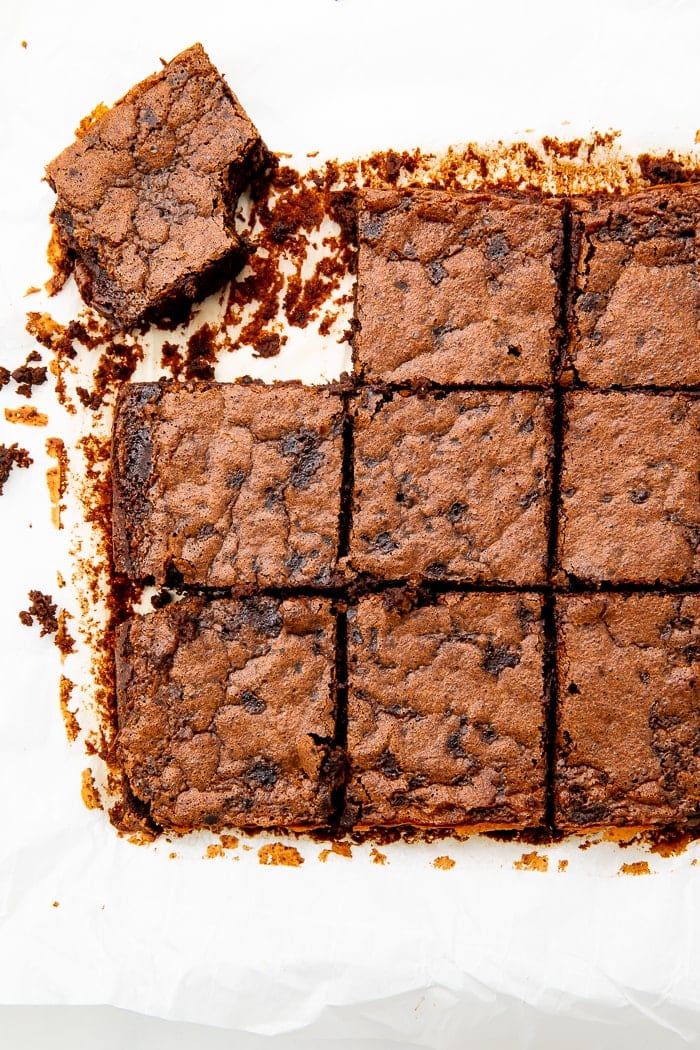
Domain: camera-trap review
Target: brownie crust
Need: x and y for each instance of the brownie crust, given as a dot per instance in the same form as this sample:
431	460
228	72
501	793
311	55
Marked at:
446	712
636	302
228	484
226	712
146	198
630	490
628	741
457	288
452	487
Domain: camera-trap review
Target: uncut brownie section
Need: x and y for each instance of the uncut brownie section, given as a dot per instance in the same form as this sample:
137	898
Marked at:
628	740
446	711
636	301
630	488
452	486
227	483
457	288
226	711
146	196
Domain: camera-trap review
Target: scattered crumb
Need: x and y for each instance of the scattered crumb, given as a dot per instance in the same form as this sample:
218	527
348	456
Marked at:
89	792
694	862
5	376
229	841
377	857
57	478
562	865
532	862
27	415
444	863
341	849
12	456
32	290
697	137
64	641
172	856
278	853
639	867
28	376
56	904
214	850
72	725
42	608
247	848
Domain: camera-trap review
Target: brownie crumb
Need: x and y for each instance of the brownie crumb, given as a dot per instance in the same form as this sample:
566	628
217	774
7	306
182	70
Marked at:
42	609
5	376
12	456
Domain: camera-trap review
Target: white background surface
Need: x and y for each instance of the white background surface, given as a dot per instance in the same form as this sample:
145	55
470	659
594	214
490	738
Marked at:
345	953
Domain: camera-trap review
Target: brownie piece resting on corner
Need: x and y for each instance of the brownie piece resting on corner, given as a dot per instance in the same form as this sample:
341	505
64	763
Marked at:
227	483
630	488
146	197
457	287
628	741
446	711
452	486
226	711
637	289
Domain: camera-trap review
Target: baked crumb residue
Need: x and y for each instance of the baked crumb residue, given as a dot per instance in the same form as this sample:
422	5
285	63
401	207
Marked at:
444	863
340	849
57	478
27	416
70	720
214	849
89	792
277	853
562	865
377	857
42	608
533	861
638	867
12	456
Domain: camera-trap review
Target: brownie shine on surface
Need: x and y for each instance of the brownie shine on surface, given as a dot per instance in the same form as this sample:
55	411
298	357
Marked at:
628	742
146	197
636	306
458	287
452	486
227	484
446	711
226	712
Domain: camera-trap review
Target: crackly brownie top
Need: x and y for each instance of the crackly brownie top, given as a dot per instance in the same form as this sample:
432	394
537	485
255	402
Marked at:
457	288
446	711
629	709
630	490
452	486
144	195
228	483
226	710
637	289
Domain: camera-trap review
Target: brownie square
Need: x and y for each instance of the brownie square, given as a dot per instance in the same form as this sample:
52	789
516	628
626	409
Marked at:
446	711
457	287
147	196
227	483
637	289
226	710
452	486
628	740
630	489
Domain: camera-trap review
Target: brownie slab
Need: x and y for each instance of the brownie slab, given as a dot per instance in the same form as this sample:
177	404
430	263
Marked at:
227	483
226	711
457	288
446	712
630	489
637	289
452	486
628	741
146	198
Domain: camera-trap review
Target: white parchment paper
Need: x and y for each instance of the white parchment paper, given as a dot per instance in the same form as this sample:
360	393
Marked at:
344	948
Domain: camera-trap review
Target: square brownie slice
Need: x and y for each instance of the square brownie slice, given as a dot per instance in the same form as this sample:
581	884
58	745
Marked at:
446	711
146	197
636	302
457	287
226	711
452	486
630	488
227	483
628	739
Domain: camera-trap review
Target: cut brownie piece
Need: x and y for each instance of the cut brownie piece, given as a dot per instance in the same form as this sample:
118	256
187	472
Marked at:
146	198
446	711
457	288
628	742
630	490
452	486
227	483
226	711
637	290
